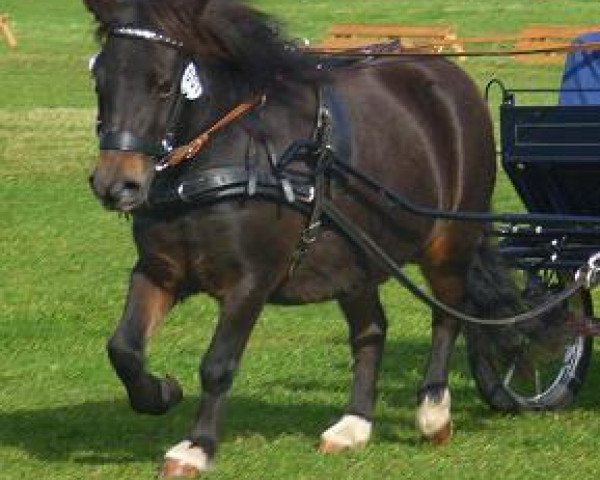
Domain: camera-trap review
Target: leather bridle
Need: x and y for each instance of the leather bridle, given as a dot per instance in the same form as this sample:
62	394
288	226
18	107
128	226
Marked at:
165	152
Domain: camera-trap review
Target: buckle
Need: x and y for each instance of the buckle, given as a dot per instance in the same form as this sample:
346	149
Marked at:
591	271
310	233
309	197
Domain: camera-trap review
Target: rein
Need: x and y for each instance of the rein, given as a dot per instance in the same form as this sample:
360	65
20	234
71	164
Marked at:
191	149
586	277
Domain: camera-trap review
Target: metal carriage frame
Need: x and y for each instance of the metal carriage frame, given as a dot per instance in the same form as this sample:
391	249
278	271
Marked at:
551	153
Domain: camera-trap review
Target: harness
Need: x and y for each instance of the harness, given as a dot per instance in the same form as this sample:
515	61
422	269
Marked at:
302	189
281	182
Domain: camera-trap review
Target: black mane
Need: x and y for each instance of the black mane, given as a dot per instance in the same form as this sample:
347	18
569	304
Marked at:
227	31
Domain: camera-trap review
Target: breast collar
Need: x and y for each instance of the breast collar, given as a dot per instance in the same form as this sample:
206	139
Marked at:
281	182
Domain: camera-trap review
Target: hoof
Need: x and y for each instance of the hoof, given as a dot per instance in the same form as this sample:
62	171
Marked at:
154	396
350	433
329	447
184	460
177	469
433	419
442	436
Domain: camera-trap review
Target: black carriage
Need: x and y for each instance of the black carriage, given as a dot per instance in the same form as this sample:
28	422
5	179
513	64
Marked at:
552	156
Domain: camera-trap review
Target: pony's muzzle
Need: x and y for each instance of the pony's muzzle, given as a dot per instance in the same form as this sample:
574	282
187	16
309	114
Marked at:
120	180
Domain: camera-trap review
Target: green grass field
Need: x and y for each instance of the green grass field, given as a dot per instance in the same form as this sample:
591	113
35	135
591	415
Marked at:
64	264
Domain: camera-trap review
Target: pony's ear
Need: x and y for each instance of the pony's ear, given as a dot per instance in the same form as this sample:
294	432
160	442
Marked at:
103	10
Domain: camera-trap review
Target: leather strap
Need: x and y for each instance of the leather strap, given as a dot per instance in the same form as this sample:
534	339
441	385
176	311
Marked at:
128	142
191	149
223	182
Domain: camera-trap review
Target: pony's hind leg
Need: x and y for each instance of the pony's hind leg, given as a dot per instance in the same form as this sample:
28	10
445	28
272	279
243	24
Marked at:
433	416
146	306
367	328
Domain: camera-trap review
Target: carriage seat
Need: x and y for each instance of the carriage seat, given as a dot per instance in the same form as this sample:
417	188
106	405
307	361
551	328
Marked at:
552	153
581	74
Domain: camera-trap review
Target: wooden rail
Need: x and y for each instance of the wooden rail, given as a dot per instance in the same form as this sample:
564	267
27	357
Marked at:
7	32
549	36
443	38
352	35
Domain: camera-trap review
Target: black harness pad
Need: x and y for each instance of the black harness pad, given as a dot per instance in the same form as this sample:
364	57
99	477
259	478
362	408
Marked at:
196	185
339	130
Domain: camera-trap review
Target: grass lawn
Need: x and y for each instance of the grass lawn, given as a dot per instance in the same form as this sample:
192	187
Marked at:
64	264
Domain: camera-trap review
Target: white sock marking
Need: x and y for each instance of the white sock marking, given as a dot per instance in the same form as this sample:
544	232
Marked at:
350	431
188	454
431	416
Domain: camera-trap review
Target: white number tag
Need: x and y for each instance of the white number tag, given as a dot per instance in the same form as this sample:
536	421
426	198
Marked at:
191	87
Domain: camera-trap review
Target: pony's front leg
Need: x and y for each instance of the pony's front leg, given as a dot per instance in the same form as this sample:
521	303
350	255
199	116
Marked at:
237	316
367	326
146	306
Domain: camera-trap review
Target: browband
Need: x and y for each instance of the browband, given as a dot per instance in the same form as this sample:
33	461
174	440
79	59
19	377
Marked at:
145	34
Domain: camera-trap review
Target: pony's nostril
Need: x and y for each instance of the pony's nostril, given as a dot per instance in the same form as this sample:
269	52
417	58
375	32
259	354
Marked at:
131	187
123	196
126	189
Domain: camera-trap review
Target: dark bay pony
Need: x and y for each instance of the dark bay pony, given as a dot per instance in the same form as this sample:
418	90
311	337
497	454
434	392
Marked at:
169	70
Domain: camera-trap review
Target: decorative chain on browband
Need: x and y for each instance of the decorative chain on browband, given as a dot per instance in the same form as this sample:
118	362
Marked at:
145	34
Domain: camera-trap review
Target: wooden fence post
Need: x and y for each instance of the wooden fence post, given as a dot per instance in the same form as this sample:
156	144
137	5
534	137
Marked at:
7	32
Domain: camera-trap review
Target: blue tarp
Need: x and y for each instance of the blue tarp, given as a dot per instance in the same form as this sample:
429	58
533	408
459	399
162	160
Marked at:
581	73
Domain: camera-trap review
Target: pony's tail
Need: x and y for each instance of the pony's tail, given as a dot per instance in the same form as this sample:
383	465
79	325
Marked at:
492	292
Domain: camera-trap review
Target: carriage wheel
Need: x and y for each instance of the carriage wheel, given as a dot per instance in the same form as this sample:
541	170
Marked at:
539	365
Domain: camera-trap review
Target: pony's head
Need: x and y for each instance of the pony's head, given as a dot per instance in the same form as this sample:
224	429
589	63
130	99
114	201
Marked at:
154	68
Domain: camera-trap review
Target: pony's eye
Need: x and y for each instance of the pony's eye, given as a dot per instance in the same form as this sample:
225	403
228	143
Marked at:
165	88
92	62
